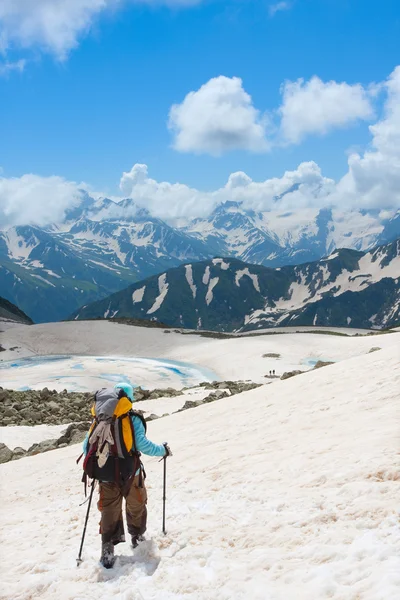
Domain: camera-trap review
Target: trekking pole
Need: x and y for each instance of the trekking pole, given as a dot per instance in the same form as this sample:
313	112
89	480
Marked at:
79	559
164	494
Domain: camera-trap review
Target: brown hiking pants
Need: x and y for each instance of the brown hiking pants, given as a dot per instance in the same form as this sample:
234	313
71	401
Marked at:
110	506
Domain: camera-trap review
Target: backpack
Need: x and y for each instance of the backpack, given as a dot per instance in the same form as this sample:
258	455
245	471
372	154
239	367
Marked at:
111	451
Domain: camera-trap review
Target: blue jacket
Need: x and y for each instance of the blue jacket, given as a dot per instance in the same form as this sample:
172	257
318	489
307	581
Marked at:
143	444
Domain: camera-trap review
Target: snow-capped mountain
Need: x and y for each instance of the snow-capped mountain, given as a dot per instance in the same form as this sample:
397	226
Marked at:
102	246
348	288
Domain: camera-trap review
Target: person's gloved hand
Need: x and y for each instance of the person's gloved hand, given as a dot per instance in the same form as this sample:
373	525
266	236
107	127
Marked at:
167	449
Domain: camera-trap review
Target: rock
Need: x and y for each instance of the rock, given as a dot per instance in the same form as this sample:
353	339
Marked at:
44	446
217	395
18	453
289	374
45	393
5	454
53	406
3	395
73	418
374	349
152	417
30	414
191	404
10	412
74	434
77	402
322	363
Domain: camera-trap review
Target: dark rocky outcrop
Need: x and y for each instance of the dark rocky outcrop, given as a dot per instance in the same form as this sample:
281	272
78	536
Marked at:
323	363
289	374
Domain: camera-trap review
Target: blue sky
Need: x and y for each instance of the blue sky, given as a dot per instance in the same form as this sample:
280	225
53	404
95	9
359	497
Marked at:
104	105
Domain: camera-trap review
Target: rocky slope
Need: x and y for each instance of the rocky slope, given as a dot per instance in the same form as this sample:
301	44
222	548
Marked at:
103	246
46	407
348	288
10	312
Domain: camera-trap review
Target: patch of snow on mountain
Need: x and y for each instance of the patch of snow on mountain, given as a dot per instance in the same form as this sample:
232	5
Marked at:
101	264
43	279
36	264
137	295
290	227
252	276
115	247
360	228
332	256
189	279
220	261
206	276
16	244
107	311
52	274
211	286
163	289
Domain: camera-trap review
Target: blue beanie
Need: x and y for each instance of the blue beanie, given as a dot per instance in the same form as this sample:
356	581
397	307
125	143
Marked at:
127	388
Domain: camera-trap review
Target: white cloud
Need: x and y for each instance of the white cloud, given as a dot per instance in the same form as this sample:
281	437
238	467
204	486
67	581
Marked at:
278	7
55	26
303	187
7	67
217	118
373	179
32	199
315	107
164	199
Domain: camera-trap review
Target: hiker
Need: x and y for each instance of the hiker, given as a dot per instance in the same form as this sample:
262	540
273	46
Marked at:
273	372
112	456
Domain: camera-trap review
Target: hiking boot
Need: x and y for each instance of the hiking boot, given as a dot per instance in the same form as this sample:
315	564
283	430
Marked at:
136	539
107	558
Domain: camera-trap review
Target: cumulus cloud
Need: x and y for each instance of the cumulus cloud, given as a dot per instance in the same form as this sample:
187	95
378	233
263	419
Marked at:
164	199
316	107
302	187
32	199
279	7
373	179
55	26
218	117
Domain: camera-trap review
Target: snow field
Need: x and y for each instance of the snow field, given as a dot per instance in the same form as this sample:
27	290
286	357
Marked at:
24	436
233	358
285	492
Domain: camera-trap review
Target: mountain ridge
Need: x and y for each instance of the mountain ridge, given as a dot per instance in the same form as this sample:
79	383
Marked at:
102	246
347	288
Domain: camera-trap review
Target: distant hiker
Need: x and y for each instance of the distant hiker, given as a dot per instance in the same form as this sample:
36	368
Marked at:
112	450
270	373
273	372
